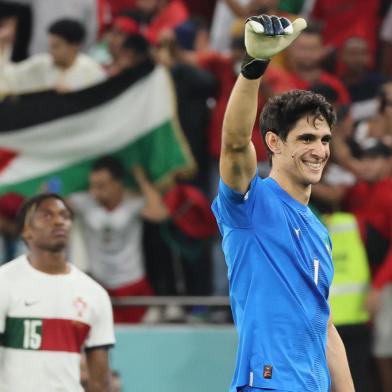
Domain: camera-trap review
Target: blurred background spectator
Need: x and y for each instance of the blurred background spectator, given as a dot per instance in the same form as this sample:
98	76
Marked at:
44	13
63	68
111	224
362	82
156	16
303	65
10	245
356	18
386	43
133	51
15	29
379	126
194	86
107	49
234	12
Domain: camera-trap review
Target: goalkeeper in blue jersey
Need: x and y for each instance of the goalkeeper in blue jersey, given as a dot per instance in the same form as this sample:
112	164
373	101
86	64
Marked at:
278	253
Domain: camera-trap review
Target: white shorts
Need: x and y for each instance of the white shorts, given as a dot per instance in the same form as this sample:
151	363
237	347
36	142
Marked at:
382	328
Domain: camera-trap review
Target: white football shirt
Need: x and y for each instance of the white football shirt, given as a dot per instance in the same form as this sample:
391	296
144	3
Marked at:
45	322
113	239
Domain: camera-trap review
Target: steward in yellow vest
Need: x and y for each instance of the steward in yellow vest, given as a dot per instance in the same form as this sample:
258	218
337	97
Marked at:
352	275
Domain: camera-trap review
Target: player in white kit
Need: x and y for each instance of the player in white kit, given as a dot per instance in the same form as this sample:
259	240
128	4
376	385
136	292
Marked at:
50	311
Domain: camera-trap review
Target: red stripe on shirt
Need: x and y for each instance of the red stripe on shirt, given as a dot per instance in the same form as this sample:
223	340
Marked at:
63	335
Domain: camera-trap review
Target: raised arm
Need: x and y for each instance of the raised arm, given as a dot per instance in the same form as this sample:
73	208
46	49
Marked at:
238	156
265	36
20	78
154	208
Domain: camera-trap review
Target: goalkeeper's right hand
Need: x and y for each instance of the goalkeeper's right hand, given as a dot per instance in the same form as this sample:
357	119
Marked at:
265	36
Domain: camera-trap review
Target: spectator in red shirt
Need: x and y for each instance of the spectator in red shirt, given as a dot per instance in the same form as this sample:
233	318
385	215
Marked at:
10	245
355	72
303	68
204	8
304	64
194	86
349	18
386	43
122	27
360	80
116	7
380	126
156	16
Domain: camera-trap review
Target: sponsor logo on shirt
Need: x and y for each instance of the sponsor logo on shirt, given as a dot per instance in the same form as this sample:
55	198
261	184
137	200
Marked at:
31	302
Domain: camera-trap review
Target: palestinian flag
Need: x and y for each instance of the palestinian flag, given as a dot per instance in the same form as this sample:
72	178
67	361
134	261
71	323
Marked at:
48	141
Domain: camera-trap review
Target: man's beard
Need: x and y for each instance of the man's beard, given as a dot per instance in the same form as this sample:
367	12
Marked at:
54	248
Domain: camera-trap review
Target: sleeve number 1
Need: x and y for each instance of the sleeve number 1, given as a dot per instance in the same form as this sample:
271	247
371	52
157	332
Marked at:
316	265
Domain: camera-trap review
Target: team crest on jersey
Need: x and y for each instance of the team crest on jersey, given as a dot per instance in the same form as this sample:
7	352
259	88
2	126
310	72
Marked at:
80	306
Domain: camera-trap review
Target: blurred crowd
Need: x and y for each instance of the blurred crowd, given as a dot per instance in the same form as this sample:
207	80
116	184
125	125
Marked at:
165	243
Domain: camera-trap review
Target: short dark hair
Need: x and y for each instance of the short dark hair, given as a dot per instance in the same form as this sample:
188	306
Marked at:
9	10
137	43
186	32
35	202
281	113
113	165
70	30
327	91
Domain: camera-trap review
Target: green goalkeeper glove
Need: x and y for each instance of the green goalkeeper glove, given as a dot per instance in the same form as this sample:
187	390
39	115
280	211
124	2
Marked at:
266	36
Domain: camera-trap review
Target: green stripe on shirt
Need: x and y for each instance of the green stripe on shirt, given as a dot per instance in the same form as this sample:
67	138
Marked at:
60	335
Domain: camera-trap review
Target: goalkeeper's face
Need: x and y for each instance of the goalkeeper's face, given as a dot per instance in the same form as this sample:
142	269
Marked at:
305	152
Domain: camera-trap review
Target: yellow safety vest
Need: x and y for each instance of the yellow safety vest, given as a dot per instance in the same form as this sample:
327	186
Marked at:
352	275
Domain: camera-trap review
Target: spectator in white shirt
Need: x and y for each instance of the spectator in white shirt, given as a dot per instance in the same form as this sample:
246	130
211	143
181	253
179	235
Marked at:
45	12
64	68
111	226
